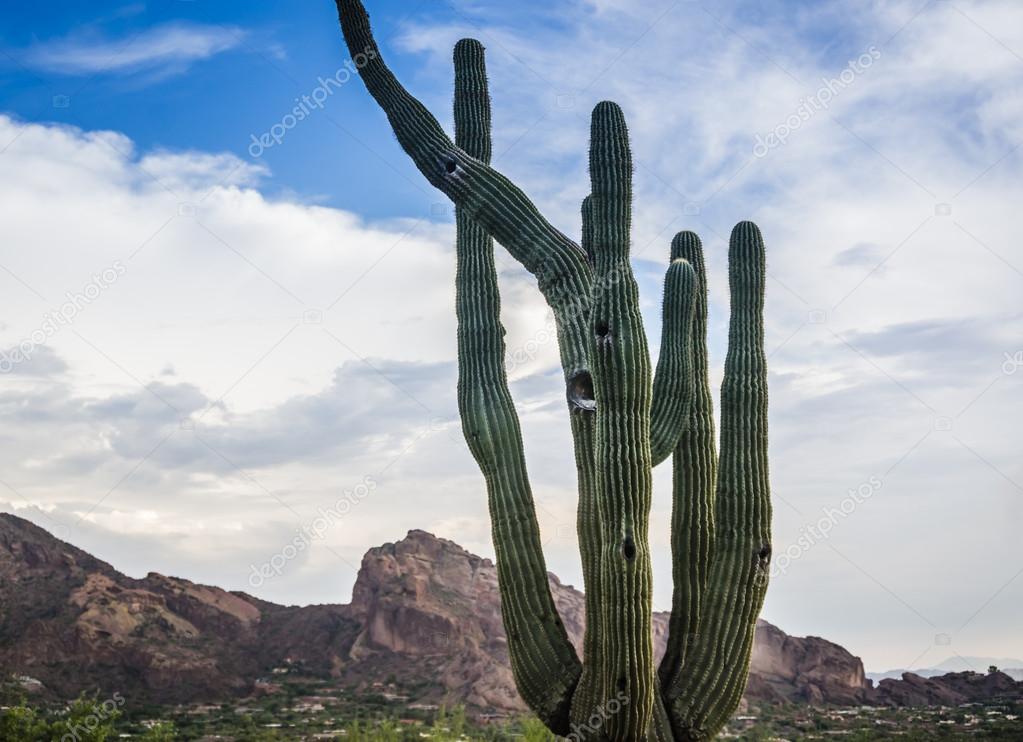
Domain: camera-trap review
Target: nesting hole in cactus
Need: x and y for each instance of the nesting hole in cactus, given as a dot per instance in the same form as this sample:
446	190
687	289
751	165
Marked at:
765	553
602	329
580	392
451	166
629	548
622	685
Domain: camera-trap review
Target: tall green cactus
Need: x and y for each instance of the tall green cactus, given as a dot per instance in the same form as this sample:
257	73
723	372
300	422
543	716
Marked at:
625	419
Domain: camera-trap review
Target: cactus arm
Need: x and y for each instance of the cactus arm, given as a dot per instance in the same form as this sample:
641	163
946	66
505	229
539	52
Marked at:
486	195
673	379
717	664
543	660
588	524
693	484
562	270
472	110
587	233
621	382
507	215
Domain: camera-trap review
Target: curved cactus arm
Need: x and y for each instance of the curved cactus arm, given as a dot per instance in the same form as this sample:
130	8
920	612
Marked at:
694	479
504	211
716	666
622	385
544	662
561	267
673	379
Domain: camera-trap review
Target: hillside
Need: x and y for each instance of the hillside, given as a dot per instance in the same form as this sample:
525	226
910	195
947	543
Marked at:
422	608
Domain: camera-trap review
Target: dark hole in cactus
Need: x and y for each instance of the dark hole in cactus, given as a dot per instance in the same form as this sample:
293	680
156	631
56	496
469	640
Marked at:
602	328
451	166
580	392
629	548
622	685
765	552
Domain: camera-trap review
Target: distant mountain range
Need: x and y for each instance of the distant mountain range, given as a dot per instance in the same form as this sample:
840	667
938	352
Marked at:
423	609
1009	666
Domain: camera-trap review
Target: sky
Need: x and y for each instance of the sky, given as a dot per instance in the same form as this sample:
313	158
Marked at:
225	328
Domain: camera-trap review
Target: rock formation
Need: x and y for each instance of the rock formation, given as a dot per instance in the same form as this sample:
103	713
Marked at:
423	609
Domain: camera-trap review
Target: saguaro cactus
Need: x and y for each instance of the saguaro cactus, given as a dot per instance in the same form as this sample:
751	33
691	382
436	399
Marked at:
625	419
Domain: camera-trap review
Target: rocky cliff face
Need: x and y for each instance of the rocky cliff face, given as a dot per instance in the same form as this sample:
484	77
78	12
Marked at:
805	670
76	623
423	609
425	602
426	596
952	689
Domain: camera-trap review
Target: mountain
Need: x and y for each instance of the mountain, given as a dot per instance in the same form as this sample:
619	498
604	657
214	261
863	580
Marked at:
805	670
423	609
427	596
74	622
957	664
951	689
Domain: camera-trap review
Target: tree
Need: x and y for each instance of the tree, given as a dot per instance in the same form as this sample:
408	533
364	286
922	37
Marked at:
87	719
22	723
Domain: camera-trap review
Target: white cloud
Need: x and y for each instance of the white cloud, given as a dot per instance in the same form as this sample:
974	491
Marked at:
256	359
171	44
195	171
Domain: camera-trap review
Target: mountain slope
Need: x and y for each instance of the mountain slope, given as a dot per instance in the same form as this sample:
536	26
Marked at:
75	623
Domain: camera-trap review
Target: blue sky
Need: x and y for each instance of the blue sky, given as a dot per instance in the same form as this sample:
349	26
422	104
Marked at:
258	60
271	328
212	98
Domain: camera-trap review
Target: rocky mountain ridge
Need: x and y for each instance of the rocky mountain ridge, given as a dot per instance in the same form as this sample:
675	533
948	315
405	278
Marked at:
1010	666
422	608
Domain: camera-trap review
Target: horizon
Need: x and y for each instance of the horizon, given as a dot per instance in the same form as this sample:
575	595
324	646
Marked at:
240	322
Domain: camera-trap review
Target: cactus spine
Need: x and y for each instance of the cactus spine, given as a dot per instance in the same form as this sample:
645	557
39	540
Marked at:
625	419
